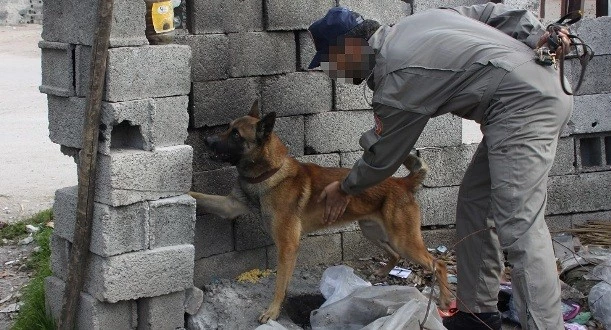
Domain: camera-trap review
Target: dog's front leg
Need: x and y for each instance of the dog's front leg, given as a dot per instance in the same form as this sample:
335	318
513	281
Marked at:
286	237
228	207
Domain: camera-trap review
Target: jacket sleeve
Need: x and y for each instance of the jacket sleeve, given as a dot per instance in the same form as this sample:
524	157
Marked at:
384	151
520	24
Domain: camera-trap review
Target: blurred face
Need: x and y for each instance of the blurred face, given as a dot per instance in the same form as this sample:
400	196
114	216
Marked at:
351	61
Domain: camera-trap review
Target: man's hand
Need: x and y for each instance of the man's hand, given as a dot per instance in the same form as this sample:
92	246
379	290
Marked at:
336	202
566	42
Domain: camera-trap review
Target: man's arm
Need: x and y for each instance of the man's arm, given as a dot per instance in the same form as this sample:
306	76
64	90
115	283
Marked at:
386	151
520	24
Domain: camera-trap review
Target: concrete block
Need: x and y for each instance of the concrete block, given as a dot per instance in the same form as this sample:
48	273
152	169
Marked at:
471	132
336	131
291	132
71	21
167	68
420	5
220	102
142	124
591	114
296	93
210	60
564	163
436	237
201	153
228	265
60	256
591	153
324	160
442	131
313	250
592	30
350	97
91	313
579	193
566	221
57	65
385	11
447	166
194	298
163	312
595	79
261	53
306	50
250	232
115	230
438	205
219	16
216	182
171	221
348	159
213	235
294	15
355	246
128	176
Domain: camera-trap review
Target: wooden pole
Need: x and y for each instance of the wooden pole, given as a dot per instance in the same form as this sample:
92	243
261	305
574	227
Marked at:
87	169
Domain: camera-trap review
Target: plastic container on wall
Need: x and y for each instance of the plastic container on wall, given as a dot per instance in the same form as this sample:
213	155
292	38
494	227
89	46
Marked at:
159	21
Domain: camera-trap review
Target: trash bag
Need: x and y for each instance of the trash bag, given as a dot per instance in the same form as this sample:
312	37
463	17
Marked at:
377	308
271	325
338	282
599	300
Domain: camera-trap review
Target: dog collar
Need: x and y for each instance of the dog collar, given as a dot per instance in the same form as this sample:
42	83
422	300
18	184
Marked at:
262	177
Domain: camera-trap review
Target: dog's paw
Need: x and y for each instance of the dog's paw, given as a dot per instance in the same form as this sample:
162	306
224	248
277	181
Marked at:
194	194
270	314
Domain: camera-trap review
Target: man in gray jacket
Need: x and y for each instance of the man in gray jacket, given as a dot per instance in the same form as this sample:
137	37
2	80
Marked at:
478	63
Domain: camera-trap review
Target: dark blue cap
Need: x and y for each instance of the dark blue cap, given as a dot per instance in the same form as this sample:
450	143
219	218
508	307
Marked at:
325	31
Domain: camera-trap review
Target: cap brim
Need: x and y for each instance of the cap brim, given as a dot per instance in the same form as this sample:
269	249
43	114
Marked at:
315	61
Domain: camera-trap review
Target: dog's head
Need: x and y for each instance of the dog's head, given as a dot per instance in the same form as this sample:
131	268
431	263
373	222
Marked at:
244	139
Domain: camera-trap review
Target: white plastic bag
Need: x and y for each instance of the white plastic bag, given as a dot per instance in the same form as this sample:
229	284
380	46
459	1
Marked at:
338	282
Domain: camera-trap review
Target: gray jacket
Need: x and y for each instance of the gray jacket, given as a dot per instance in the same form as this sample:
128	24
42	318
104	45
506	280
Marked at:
432	63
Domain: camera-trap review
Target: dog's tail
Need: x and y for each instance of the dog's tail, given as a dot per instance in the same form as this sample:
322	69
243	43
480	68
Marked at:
417	172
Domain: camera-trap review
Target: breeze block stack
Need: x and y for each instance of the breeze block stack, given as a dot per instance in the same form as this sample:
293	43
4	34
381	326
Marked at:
140	272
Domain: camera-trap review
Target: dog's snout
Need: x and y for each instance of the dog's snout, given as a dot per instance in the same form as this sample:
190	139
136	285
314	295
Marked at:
210	141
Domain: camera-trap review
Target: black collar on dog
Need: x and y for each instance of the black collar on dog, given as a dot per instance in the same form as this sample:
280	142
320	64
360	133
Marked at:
262	177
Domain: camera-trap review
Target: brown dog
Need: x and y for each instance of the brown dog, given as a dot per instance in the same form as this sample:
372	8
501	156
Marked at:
286	191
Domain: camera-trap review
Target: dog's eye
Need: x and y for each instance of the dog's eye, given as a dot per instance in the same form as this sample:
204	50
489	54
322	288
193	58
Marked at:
235	134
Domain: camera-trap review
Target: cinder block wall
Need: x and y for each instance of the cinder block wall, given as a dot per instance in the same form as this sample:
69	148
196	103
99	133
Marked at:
261	50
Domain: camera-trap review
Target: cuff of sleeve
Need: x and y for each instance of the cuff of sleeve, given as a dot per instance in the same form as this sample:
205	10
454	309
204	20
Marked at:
346	189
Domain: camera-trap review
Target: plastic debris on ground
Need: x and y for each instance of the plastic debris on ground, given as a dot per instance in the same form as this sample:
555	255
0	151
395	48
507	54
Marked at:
400	272
353	303
599	298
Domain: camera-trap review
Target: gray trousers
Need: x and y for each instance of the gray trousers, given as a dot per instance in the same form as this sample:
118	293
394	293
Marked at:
505	187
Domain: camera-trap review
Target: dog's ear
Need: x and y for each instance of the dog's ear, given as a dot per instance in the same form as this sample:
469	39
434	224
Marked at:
254	110
265	126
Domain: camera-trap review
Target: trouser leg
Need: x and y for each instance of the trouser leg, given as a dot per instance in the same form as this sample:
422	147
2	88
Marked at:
478	252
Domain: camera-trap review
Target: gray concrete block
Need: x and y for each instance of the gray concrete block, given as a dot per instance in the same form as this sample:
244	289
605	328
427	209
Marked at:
294	15
447	166
213	235
564	163
163	312
579	193
350	97
171	221
172	268
291	132
142	124
336	131
442	131
167	69
250	232
593	32
296	93
261	53
201	153
590	115
596	78
91	313
72	21
194	298
355	246
128	176
313	250
324	160
60	256
306	50
219	16
421	5
210	60
228	265
385	11
57	65
220	102
438	205
348	159
558	223
115	230
436	237
216	182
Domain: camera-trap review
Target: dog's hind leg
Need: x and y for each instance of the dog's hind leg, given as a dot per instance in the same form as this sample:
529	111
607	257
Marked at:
377	235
